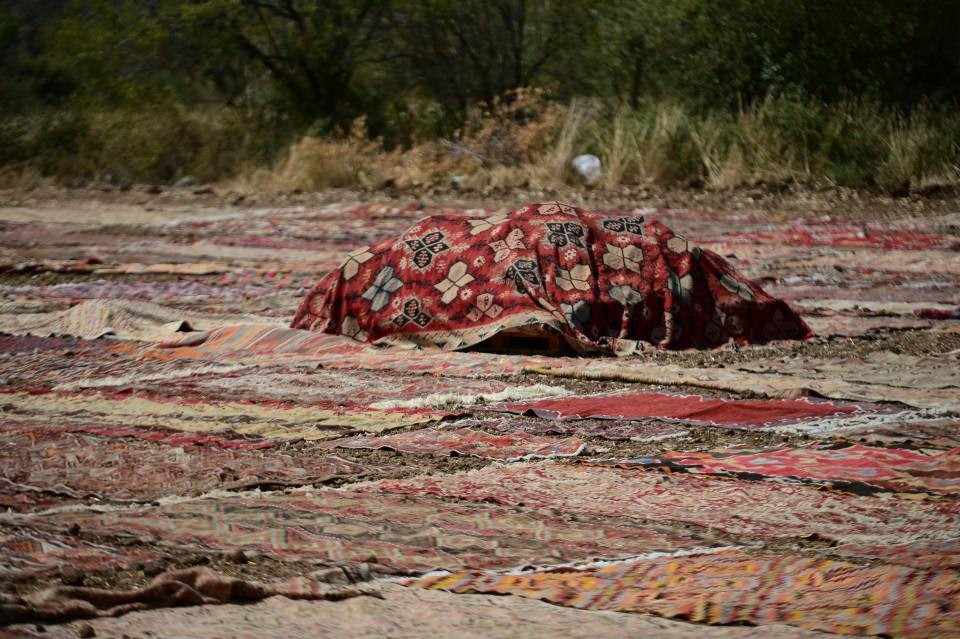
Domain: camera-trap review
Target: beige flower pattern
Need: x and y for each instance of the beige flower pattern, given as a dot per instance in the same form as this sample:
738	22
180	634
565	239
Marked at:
577	278
678	244
351	328
351	265
485	224
486	306
457	277
626	257
556	208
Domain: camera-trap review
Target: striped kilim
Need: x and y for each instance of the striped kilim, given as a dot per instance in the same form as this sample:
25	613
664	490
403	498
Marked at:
728	505
259	343
687	409
402	533
38	460
737	587
889	468
28	552
290	422
466	441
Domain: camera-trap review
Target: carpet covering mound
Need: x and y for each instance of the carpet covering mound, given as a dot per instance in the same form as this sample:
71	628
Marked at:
603	281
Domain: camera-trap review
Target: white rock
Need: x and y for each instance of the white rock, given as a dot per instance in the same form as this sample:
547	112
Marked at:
588	167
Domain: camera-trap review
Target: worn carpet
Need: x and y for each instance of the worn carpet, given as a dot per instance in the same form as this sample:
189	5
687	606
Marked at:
686	409
734	586
732	506
466	441
897	469
39	461
396	531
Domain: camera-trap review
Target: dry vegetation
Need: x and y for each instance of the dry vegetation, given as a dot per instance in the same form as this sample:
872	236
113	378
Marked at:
529	141
525	141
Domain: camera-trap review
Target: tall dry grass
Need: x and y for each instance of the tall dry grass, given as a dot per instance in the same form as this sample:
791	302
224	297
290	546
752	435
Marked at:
531	142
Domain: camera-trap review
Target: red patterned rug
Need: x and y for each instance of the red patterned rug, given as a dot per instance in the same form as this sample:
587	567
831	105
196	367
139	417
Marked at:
688	409
604	281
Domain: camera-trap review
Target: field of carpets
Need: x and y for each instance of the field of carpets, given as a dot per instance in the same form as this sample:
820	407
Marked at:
176	461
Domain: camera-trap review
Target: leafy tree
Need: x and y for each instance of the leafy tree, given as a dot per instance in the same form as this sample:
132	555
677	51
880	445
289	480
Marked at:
460	52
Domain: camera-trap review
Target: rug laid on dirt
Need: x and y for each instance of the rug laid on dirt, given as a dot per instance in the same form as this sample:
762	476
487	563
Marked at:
189	587
603	281
343	390
731	506
888	468
38	460
397	532
125	319
942	433
31	364
400	613
260	344
931	383
27	552
686	409
734	586
278	422
466	441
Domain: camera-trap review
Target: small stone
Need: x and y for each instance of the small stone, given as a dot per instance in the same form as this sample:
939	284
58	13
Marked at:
74	529
238	557
72	577
588	167
153	568
85	630
333	576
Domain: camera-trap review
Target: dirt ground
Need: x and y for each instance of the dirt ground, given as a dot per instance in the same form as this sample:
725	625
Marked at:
786	200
